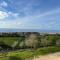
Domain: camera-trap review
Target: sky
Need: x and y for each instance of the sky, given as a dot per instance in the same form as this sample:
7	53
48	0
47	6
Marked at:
30	14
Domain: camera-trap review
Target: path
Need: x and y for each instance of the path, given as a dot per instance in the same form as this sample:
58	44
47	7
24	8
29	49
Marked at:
55	56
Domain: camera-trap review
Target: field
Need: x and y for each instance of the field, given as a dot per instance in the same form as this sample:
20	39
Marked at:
9	40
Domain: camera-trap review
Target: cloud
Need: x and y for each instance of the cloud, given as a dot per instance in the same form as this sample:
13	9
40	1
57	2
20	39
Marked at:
3	15
13	14
48	13
11	24
4	4
30	21
47	20
38	21
46	16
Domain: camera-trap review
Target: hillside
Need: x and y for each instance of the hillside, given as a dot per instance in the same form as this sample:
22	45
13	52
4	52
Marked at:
26	45
25	40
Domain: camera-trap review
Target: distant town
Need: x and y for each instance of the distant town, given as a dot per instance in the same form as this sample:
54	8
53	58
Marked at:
24	33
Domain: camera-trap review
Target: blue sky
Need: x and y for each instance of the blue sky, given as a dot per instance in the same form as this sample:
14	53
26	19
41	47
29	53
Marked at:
30	14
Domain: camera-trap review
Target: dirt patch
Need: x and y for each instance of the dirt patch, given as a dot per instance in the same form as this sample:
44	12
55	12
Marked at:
55	56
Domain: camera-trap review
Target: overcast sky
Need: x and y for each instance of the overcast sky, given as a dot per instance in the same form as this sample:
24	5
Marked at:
30	14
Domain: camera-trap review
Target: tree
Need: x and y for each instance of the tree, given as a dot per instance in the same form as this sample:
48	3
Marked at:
14	45
22	44
32	41
49	40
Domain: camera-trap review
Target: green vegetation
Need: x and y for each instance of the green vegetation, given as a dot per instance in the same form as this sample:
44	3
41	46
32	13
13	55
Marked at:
9	40
23	55
47	50
29	40
28	45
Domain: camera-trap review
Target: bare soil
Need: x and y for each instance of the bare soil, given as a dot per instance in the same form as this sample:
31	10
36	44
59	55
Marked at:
54	56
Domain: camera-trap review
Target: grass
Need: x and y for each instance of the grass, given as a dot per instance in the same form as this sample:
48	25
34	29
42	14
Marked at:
22	55
9	40
47	50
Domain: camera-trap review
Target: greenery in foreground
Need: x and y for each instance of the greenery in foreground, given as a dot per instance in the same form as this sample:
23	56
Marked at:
28	54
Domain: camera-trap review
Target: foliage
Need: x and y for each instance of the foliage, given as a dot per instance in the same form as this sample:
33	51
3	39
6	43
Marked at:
47	50
22	55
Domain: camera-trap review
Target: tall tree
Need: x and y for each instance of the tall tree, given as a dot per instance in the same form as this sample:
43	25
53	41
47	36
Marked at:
32	41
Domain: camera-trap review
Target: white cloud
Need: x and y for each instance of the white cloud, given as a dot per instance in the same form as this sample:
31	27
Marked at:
11	24
3	15
4	4
27	22
13	14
